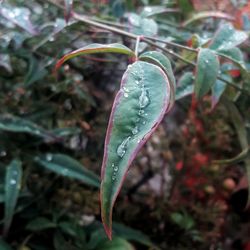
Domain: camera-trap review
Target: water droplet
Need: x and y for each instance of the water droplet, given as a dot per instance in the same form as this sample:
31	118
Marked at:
12	182
144	122
141	112
126	95
3	153
206	61
121	150
144	99
113	177
135	130
116	168
49	157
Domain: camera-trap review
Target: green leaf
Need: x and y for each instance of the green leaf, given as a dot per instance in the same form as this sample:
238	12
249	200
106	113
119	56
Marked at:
18	16
227	38
116	244
96	48
185	85
19	125
207	14
138	108
40	224
149	11
67	166
4	245
142	26
218	89
63	132
206	72
12	185
131	234
164	63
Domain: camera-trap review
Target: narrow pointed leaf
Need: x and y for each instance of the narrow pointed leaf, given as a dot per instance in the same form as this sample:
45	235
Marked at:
96	48
12	184
207	14
185	85
227	37
17	124
206	72
67	166
138	108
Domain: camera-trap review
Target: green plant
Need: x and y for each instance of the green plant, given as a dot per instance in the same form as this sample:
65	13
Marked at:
46	121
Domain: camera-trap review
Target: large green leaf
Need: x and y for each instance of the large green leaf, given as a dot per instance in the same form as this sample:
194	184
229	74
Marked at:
185	85
96	48
206	72
138	108
67	166
227	37
13	180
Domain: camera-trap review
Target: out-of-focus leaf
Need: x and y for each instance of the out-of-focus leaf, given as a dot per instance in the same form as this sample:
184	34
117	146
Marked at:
68	9
5	62
96	48
139	107
40	224
67	166
18	16
149	11
4	245
60	242
207	14
62	132
218	89
185	85
227	37
241	131
206	72
185	6
116	244
69	228
12	185
131	234
19	125
142	26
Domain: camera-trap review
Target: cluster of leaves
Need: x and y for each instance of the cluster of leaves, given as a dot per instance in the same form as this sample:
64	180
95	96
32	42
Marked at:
42	116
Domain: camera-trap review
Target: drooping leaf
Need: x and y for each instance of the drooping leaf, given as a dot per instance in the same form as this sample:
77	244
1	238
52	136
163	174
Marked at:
67	166
207	14
68	9
138	108
164	63
227	37
116	244
18	16
185	85
96	48
39	224
17	124
206	72
12	185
